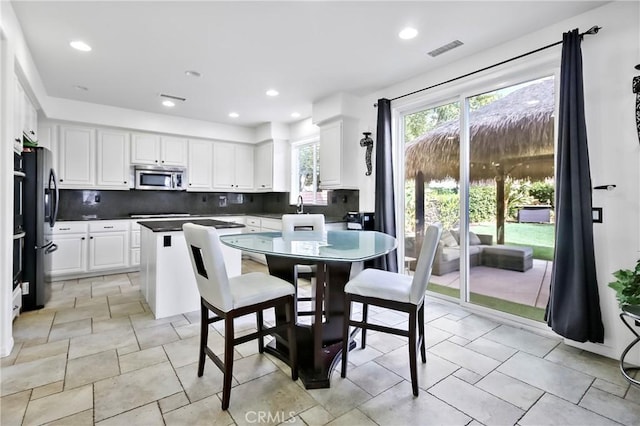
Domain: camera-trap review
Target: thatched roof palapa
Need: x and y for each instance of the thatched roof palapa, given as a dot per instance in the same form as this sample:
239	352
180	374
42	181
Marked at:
514	133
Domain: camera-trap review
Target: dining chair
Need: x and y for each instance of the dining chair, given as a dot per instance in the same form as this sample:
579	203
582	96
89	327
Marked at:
292	223
230	298
393	291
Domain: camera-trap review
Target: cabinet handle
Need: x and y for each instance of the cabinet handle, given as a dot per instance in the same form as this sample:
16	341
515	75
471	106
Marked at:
189	183
91	238
125	181
61	180
156	161
163	161
82	238
17	139
32	132
64	229
108	227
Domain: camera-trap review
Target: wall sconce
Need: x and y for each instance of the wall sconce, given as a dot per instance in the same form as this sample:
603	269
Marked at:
368	142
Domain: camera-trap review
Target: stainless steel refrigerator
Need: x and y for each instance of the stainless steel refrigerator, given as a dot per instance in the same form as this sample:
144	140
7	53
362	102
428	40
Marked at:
40	203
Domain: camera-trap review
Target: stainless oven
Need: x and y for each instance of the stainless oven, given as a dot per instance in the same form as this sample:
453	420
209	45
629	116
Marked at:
159	178
18	220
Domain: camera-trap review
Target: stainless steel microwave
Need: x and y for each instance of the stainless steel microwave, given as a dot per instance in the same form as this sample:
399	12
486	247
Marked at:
160	178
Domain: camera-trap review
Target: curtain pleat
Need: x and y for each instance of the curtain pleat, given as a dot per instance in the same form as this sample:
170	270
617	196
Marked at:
573	310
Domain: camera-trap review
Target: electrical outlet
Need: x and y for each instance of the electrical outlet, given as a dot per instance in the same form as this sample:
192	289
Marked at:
25	287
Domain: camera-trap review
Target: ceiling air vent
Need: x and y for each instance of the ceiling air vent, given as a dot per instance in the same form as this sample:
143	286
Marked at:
175	98
447	47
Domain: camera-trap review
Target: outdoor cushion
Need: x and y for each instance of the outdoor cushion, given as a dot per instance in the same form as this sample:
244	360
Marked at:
448	240
453	253
474	240
511	251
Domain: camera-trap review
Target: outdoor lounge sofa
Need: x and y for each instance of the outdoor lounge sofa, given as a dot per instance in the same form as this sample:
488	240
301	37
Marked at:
481	252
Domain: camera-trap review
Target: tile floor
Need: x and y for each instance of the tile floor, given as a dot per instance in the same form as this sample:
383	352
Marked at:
95	355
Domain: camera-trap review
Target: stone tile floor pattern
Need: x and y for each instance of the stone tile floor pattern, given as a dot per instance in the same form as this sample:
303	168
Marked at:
96	355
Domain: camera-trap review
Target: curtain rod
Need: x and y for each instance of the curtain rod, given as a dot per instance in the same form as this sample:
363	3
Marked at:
590	31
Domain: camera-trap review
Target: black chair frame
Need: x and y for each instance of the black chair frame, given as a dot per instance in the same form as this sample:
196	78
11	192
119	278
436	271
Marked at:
230	341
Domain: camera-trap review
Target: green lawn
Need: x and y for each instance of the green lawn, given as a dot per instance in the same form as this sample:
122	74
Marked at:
539	236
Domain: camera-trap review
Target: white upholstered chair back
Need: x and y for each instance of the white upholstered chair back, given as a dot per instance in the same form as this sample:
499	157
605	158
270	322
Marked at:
292	221
425	261
203	244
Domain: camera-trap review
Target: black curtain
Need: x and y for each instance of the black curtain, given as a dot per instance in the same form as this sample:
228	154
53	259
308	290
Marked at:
573	310
385	214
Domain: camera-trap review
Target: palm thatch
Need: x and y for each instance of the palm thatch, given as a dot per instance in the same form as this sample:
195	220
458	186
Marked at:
512	136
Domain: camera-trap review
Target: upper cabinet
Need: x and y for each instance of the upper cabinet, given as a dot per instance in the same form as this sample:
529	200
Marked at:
272	164
338	151
232	167
158	150
76	157
199	170
18	116
113	159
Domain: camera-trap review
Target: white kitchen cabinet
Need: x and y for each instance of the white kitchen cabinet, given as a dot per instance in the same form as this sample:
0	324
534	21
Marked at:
76	157
199	166
30	120
71	256
108	245
113	159
232	167
156	150
272	165
339	159
18	116
134	239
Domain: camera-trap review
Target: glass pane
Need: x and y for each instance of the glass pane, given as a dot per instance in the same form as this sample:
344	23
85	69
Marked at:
511	225
308	174
432	147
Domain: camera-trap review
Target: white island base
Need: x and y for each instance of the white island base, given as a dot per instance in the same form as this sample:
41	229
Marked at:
167	281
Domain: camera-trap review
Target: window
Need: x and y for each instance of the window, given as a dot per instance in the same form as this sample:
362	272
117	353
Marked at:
305	173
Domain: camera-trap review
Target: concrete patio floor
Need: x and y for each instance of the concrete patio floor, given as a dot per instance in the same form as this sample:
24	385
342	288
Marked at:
529	288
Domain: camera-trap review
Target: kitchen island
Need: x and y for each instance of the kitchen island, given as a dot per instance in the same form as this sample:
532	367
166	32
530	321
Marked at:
166	277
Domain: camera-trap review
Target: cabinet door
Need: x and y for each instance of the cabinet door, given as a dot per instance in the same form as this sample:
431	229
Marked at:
145	149
108	250
330	155
199	166
76	164
18	117
244	167
173	151
30	120
113	159
224	166
264	166
71	256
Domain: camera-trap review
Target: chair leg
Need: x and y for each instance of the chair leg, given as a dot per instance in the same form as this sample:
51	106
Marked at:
204	336
228	361
293	345
260	325
412	352
345	334
423	349
365	314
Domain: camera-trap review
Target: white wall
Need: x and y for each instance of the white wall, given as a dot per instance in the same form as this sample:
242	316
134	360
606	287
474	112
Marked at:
609	59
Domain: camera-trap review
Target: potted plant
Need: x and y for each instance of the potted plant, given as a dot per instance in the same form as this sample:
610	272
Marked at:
627	286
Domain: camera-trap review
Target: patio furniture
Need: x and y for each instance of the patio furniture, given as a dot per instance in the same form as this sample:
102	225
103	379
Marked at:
394	291
633	314
534	214
515	258
230	298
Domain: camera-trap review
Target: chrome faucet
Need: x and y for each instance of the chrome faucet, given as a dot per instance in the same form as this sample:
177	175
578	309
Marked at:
300	205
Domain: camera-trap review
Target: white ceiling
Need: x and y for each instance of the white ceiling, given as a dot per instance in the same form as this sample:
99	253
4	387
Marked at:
306	50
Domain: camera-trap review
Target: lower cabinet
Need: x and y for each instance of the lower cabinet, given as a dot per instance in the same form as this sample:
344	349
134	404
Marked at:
108	245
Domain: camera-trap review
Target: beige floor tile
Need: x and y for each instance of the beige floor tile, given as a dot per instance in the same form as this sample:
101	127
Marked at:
204	412
492	349
433	336
84	302
464	357
343	396
476	403
142	359
384	342
588	363
32	326
134	389
83	418
156	336
273	393
47	390
354	417
198	388
32	374
429	374
470	327
147	320
146	415
126	297
467	376
398	406
122	325
126	309
12	407
70	329
612	388
511	390
373	378
184	352
316	416
189	330
91	368
11	358
96	312
251	367
59	405
522	340
45	350
106	291
172	402
611	406
551	410
100	342
359	356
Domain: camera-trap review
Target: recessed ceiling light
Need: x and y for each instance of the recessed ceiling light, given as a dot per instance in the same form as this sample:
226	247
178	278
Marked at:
192	73
408	33
81	88
234	115
295	114
272	92
80	45
168	103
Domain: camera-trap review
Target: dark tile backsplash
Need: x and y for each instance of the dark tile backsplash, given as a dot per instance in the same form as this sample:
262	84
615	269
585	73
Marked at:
80	204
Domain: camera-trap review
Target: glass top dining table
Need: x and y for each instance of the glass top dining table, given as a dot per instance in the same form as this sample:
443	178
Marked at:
337	256
330	246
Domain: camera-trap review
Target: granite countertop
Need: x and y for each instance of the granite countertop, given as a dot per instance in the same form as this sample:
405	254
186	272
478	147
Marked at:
327	219
176	224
